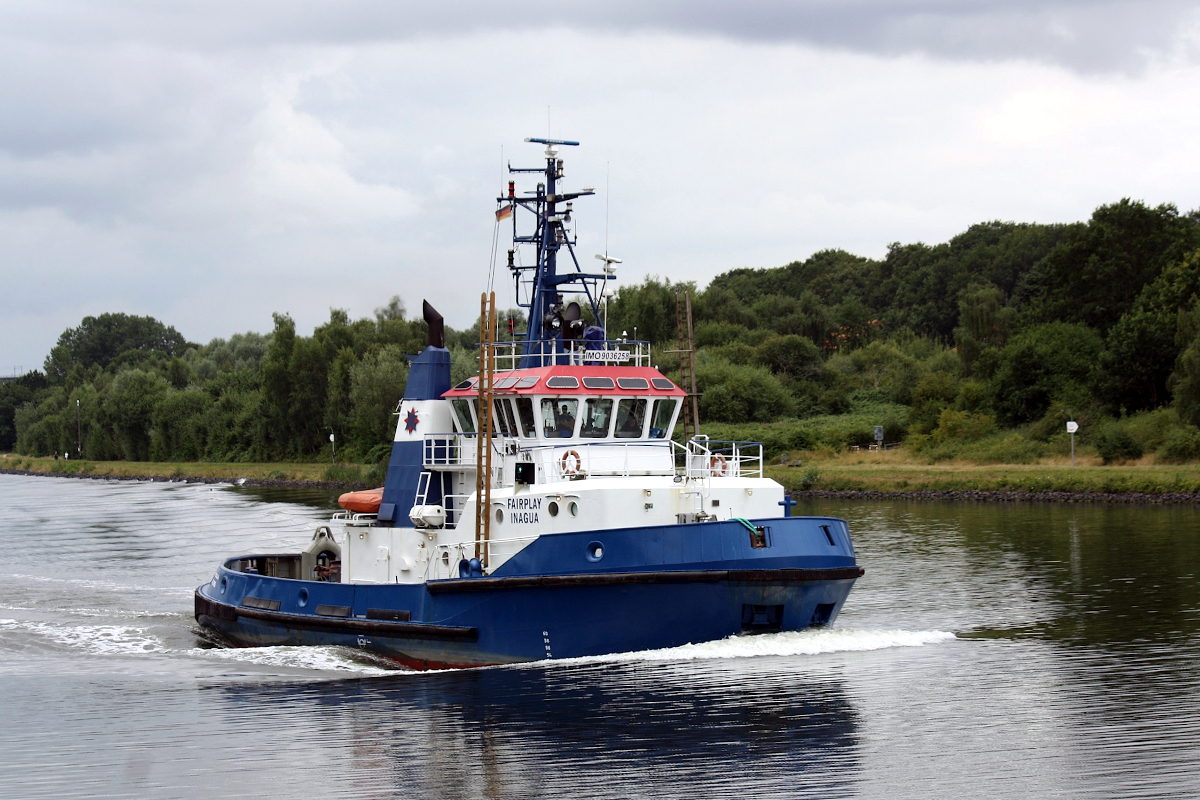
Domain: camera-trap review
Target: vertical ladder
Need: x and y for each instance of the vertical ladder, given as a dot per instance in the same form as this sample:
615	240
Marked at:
687	365
483	462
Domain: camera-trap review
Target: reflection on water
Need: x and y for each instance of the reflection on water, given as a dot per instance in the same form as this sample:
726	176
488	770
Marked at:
1071	670
324	499
605	731
1104	575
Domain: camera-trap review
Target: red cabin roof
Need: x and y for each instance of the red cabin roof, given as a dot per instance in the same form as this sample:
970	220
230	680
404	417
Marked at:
570	379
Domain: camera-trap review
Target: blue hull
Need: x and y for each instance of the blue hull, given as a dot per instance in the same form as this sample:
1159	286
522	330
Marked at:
655	587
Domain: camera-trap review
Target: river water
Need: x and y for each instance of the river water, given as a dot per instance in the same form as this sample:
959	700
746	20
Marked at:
990	651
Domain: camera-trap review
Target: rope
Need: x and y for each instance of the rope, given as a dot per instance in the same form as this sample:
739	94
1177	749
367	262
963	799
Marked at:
749	525
492	265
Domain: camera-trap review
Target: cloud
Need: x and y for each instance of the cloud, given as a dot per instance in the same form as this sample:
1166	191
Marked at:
210	164
1083	35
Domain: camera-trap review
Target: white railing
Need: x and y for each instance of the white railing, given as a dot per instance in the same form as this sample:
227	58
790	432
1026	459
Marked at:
446	450
704	458
578	352
572	460
699	459
496	548
353	518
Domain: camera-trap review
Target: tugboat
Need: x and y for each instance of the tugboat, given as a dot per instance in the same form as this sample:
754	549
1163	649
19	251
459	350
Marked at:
542	510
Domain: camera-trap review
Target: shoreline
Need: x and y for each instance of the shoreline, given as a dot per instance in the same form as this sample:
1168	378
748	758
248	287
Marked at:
299	483
800	495
1006	496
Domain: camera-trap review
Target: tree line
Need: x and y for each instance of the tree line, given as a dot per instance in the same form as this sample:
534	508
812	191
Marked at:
995	337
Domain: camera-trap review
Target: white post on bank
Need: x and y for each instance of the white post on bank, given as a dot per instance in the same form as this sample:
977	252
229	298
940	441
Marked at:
1072	426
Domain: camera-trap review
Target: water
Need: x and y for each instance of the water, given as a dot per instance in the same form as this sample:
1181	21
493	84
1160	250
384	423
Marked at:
990	651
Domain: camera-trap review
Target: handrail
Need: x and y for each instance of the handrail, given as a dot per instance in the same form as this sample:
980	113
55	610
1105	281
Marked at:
578	352
699	459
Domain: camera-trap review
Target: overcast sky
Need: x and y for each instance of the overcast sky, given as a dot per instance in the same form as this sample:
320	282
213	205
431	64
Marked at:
211	163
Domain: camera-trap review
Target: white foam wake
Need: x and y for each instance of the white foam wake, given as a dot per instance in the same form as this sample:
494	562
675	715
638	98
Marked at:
324	659
786	643
98	584
93	639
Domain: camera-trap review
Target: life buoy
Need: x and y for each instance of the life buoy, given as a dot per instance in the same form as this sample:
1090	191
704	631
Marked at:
716	465
567	468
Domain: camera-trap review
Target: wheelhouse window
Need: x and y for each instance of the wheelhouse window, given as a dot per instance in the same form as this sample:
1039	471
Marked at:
504	422
664	412
462	412
597	414
558	417
525	417
631	418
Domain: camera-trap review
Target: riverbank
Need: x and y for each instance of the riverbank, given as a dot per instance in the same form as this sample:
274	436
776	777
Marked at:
895	474
864	475
347	476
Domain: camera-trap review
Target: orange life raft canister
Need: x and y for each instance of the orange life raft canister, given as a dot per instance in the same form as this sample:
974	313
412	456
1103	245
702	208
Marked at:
364	502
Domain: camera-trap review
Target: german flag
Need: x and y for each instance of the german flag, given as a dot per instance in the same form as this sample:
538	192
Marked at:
504	213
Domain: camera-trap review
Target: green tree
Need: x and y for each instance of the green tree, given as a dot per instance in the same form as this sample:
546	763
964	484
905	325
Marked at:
376	386
740	393
1041	363
1141	349
277	385
1185	380
1094	276
983	321
177	426
101	340
13	395
130	406
794	356
648	307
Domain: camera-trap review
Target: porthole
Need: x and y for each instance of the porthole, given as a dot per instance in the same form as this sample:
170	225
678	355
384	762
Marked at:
445	558
574	509
553	508
595	551
302	598
224	585
499	515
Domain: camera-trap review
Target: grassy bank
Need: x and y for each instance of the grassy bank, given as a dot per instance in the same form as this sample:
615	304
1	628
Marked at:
342	474
897	471
867	471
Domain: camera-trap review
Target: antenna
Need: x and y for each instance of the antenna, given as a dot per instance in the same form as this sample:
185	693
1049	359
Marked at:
607	193
566	142
609	269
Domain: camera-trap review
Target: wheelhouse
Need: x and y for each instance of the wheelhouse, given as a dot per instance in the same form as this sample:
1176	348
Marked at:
588	404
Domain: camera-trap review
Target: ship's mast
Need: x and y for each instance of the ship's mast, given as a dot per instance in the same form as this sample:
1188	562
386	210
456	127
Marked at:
551	321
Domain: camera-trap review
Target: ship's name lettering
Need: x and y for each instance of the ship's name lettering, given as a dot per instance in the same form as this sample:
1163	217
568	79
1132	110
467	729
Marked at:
524	503
524	510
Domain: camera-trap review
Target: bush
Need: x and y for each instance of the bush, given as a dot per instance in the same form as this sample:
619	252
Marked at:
740	393
1011	449
343	473
793	356
962	426
809	478
715	334
1182	444
1114	443
777	438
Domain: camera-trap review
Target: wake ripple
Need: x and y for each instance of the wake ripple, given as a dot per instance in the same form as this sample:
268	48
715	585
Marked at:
785	643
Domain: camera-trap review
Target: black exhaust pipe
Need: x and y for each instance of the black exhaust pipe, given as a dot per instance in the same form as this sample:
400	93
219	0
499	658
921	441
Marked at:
437	328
